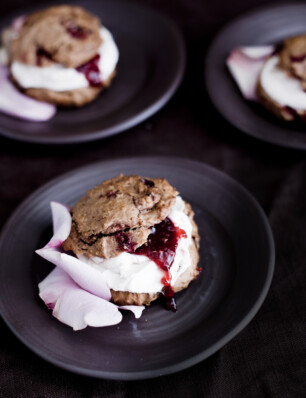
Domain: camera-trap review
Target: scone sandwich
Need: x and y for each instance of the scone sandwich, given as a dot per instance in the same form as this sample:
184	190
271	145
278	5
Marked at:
61	55
274	76
135	235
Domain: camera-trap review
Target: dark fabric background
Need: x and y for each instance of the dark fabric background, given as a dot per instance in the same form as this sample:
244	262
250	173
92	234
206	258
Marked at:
267	359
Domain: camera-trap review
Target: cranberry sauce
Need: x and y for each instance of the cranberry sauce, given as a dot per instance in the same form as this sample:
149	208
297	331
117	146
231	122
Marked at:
125	243
77	32
298	58
160	248
40	54
161	245
91	71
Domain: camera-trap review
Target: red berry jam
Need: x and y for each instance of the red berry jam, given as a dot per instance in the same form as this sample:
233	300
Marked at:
160	248
125	243
298	58
77	32
91	71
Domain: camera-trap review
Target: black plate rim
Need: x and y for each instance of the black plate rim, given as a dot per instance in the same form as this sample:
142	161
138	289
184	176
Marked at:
197	358
225	28
137	118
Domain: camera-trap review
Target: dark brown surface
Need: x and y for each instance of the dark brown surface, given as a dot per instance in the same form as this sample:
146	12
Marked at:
268	358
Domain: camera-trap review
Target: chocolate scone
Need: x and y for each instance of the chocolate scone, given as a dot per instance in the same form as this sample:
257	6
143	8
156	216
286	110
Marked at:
140	230
61	55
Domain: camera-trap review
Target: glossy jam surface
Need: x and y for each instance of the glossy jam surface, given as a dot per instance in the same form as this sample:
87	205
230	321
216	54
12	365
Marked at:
160	248
77	32
91	71
125	243
162	243
299	58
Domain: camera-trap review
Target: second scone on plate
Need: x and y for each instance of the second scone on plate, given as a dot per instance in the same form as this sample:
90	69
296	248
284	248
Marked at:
62	55
140	234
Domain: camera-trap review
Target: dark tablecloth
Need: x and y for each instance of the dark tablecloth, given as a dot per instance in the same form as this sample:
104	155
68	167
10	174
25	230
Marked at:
267	359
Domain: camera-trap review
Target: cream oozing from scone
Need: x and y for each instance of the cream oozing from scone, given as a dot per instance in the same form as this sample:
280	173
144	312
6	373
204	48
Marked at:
137	273
280	87
59	78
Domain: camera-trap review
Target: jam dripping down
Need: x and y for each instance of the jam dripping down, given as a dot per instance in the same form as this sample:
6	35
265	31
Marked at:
160	247
91	71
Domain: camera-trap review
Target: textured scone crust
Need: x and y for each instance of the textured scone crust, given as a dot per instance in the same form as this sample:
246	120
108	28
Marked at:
48	30
70	98
120	211
127	298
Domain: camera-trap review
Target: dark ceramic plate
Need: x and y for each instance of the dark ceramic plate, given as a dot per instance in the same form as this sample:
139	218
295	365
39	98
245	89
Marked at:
150	68
237	257
263	26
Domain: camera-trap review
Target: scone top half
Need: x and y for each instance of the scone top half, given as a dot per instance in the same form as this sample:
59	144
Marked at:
118	213
67	35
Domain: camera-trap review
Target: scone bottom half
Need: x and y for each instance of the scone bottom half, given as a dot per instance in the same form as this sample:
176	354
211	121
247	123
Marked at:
130	214
63	35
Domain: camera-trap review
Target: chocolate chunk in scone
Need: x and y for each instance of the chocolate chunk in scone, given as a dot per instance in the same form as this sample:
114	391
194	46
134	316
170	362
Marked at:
118	215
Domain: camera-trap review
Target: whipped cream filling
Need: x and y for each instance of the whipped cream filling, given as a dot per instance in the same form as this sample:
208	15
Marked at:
59	78
138	274
280	87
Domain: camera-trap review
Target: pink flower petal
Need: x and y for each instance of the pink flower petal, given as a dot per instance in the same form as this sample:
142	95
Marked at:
83	274
18	22
74	306
257	52
14	103
74	284
61	224
245	64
